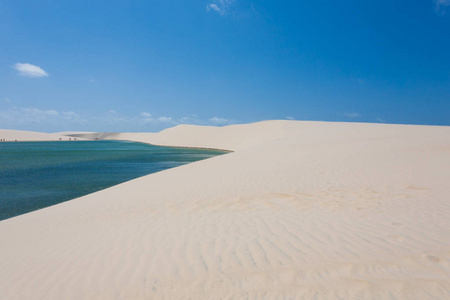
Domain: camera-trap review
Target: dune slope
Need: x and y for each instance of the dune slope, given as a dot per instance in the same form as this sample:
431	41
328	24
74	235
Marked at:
300	210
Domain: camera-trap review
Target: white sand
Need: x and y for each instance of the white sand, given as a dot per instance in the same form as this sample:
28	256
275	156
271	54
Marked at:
26	136
301	210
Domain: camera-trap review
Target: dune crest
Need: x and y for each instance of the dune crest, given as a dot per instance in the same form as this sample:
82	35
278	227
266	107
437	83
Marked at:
299	210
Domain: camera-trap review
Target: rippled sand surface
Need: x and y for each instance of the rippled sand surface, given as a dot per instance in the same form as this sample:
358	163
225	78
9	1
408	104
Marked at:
299	210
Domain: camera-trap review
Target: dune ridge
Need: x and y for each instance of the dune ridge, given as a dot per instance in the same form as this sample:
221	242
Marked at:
299	210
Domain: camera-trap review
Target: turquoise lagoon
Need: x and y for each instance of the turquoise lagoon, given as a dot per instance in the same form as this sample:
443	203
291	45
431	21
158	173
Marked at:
34	175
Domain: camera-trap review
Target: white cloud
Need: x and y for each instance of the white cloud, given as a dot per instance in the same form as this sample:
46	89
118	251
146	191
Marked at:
379	120
32	115
69	113
219	6
352	115
214	7
191	119
219	121
35	113
290	118
443	2
146	118
215	121
166	120
32	118
72	116
441	5
7	100
145	114
30	70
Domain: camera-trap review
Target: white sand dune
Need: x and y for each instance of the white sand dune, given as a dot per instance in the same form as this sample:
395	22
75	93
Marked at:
300	210
23	136
70	133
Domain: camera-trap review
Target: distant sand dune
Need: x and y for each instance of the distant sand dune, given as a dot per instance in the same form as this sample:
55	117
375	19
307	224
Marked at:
300	210
22	136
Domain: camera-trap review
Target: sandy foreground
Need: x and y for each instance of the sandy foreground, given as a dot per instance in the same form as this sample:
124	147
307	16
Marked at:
299	210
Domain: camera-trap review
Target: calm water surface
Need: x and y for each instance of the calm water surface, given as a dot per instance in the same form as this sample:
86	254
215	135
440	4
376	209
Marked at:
34	175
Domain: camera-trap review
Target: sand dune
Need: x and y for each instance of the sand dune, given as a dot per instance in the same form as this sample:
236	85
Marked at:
24	136
299	210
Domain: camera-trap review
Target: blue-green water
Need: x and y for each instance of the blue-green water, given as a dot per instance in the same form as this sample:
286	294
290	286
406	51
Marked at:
34	175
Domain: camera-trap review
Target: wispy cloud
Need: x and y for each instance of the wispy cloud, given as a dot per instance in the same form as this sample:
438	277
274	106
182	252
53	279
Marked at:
219	6
147	118
290	118
352	115
214	7
443	2
441	5
166	120
191	119
145	114
219	121
32	115
38	119
30	70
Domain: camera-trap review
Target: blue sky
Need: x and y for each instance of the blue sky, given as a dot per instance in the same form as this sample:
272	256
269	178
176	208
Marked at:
145	65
